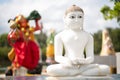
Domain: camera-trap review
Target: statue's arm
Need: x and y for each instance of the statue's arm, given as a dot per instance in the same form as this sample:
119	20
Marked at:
58	44
90	50
89	53
38	26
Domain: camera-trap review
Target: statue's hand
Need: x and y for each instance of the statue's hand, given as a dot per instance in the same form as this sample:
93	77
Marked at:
85	60
82	61
75	61
89	60
79	61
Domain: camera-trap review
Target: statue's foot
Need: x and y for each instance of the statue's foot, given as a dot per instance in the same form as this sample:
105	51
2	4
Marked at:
100	70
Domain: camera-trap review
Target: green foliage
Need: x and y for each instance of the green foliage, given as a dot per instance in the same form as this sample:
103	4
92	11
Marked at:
3	40
41	39
97	42
114	34
111	13
4	46
4	52
115	0
4	49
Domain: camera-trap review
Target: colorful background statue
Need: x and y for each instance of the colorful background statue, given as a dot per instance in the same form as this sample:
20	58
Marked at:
21	38
107	45
50	48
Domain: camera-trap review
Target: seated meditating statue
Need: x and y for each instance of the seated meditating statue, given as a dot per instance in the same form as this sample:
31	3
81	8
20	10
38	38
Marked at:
75	41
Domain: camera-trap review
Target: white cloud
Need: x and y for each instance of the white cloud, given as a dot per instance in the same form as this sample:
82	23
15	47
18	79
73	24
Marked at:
52	12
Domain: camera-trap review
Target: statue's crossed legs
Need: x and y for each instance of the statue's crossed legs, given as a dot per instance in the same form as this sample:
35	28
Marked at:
91	69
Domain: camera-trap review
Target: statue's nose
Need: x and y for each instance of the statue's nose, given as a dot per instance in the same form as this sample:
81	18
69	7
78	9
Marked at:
76	19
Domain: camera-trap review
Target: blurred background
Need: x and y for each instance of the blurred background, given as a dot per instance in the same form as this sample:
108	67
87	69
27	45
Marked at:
99	15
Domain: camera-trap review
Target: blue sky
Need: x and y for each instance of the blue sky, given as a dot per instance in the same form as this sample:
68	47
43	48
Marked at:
52	12
4	1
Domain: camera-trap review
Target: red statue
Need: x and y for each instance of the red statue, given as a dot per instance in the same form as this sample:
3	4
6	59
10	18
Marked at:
21	38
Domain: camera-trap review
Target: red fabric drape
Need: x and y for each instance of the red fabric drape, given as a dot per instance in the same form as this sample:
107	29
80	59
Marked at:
27	53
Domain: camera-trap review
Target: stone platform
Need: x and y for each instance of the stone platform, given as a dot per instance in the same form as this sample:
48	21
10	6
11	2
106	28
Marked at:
44	77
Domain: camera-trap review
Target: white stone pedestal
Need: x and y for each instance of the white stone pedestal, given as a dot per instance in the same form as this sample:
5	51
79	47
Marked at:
118	62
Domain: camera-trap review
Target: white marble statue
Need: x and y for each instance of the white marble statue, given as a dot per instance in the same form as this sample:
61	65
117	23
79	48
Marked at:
75	41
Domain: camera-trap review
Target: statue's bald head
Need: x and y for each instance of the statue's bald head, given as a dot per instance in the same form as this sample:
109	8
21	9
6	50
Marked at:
73	8
73	18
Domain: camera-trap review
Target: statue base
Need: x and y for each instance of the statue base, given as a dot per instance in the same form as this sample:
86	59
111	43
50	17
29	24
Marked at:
81	78
46	77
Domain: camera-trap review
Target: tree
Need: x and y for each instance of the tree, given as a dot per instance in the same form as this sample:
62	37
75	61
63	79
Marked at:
97	42
3	40
41	39
115	36
4	49
111	13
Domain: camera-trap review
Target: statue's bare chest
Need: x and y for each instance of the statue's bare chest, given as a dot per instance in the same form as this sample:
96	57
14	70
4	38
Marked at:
73	39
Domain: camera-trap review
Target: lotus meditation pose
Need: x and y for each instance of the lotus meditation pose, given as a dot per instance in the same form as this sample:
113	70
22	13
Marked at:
76	42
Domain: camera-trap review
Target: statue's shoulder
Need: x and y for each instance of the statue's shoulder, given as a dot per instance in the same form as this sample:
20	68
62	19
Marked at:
61	33
88	34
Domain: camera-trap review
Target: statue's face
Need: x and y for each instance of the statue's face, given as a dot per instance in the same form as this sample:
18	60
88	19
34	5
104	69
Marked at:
74	20
23	23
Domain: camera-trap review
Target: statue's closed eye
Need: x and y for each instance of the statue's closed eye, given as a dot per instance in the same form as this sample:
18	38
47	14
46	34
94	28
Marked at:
72	17
79	16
